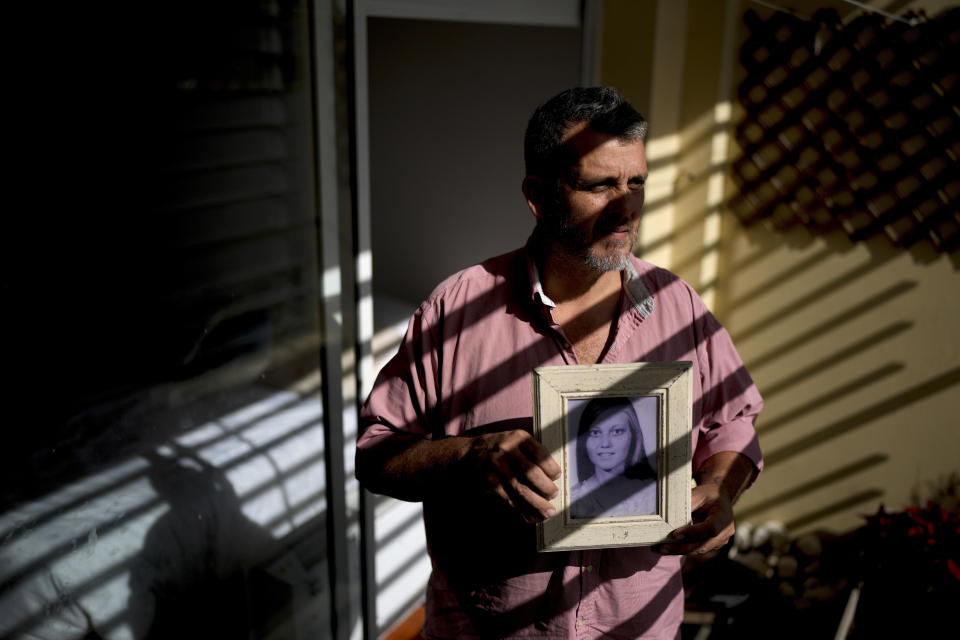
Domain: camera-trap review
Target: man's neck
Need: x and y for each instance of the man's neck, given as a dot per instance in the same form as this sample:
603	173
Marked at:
586	302
567	279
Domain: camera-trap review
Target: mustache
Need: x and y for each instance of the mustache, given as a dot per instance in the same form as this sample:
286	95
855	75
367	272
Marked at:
614	223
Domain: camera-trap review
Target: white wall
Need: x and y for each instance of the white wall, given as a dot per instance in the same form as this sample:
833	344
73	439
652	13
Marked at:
449	102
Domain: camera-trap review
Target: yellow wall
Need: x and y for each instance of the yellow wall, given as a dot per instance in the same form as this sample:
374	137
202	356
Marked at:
855	347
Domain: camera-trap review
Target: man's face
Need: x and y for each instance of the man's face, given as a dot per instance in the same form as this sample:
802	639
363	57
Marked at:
608	441
596	213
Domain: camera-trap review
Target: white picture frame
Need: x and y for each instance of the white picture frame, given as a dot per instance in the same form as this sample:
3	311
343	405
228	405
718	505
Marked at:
592	513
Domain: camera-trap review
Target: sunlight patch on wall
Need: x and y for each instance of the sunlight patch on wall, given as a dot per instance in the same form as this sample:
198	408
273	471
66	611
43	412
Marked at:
657	223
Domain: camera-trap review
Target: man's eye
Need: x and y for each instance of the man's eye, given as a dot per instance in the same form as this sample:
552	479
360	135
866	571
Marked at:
637	183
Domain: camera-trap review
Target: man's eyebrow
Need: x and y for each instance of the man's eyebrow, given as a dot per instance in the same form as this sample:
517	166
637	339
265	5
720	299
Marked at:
594	179
581	179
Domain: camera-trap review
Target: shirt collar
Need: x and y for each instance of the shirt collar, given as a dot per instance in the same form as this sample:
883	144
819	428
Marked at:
637	292
536	285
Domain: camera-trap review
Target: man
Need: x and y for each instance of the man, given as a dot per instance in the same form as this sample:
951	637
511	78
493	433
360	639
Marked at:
449	418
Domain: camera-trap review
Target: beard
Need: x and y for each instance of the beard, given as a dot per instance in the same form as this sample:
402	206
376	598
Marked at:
601	263
576	242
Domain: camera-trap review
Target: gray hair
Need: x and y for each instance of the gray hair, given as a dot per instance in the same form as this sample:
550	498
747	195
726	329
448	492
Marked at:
603	108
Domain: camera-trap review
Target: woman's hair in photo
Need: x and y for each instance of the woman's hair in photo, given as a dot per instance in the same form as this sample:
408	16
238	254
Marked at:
637	464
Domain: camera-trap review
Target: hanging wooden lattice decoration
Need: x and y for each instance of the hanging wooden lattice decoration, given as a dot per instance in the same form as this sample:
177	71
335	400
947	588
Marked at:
853	126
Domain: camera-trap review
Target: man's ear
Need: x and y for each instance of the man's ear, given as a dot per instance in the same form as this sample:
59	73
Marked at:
535	193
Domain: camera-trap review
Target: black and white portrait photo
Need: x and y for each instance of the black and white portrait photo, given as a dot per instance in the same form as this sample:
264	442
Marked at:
613	456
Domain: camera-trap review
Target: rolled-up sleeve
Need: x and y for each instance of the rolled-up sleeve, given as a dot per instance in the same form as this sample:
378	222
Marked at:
406	393
730	401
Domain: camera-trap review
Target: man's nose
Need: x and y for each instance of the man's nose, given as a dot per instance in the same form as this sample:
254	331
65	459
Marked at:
626	203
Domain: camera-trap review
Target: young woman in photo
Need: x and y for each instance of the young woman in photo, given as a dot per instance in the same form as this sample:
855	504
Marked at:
615	478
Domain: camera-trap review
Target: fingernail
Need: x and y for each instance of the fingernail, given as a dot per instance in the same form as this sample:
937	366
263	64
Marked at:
551	512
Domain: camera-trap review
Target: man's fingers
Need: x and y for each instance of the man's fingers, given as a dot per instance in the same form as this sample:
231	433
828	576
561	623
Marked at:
534	477
691	546
523	458
522	498
709	528
673	549
519	470
540	506
539	454
701	537
532	487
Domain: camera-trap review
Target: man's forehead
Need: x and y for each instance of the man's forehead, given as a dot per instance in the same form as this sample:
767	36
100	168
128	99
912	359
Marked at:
583	142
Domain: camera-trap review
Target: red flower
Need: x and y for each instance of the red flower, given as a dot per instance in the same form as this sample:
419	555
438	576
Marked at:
953	568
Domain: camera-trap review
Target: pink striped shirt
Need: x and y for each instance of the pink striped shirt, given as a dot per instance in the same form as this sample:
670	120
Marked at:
464	365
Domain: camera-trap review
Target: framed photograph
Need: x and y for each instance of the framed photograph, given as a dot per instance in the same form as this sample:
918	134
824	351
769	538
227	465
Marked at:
621	433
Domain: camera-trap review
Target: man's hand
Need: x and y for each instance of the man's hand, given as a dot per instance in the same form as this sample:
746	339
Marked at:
508	464
517	468
722	479
712	524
